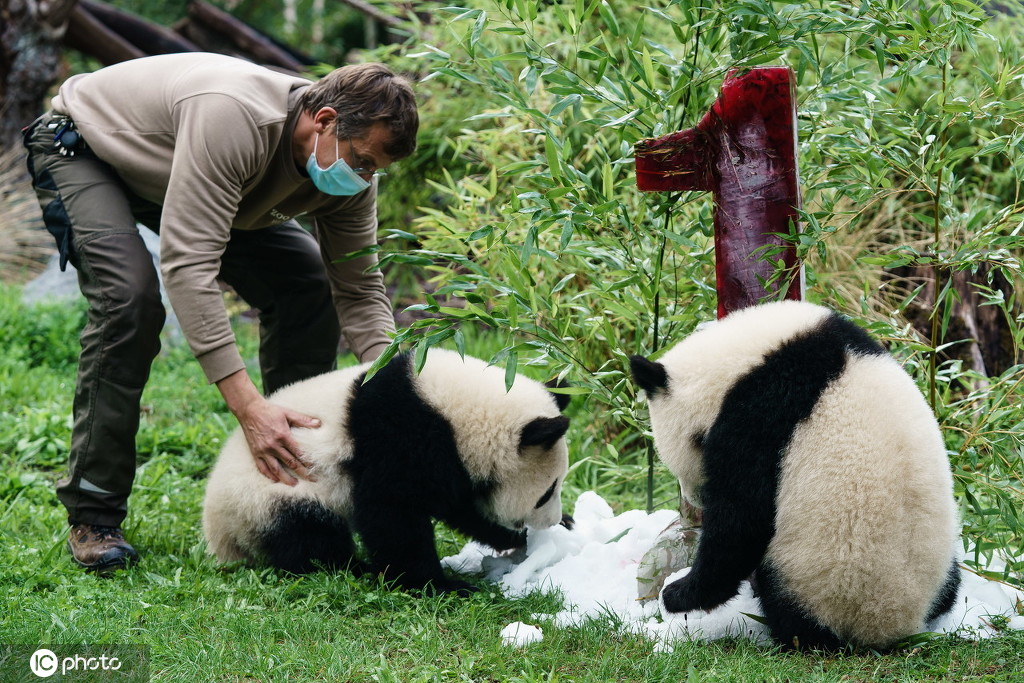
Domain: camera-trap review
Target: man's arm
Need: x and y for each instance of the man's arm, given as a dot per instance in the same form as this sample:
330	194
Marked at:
357	286
218	148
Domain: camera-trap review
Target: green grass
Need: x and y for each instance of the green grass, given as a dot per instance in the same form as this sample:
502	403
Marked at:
205	622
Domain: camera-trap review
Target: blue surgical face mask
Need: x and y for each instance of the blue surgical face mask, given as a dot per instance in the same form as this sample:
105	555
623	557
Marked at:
338	179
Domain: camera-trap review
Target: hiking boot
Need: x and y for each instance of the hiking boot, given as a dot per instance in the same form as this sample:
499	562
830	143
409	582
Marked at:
101	549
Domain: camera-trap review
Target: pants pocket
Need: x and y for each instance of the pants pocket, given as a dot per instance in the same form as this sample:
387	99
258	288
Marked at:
58	224
55	216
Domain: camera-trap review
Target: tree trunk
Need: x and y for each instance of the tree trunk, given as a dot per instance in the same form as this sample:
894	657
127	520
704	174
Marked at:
984	339
30	60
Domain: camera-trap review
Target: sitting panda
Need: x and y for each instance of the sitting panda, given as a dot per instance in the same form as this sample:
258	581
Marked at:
820	469
449	443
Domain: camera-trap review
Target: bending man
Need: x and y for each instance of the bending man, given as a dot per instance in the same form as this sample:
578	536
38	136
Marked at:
219	156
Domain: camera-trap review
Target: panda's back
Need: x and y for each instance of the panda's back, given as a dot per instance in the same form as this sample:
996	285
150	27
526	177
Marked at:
239	500
865	518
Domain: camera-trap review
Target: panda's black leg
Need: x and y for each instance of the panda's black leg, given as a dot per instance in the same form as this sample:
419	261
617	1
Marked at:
469	521
400	547
790	627
305	536
733	541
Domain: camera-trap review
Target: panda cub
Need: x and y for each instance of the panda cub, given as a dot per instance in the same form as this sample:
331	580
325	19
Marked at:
820	469
393	454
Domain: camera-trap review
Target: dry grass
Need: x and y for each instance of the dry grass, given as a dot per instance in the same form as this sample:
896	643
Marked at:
869	231
25	246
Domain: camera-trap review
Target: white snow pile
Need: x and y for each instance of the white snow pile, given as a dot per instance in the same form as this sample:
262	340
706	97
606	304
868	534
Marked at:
594	568
518	634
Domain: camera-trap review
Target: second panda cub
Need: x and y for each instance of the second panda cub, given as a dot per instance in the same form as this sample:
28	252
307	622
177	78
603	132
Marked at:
392	455
820	469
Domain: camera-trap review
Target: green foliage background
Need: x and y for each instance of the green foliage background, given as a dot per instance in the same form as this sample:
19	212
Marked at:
531	225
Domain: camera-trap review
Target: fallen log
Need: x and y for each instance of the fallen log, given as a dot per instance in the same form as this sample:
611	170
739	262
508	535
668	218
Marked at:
89	35
248	40
148	37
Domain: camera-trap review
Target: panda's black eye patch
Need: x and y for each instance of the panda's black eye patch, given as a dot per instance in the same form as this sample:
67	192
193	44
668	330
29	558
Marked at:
698	440
547	495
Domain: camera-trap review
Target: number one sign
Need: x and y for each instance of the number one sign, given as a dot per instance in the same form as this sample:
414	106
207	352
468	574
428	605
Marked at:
744	152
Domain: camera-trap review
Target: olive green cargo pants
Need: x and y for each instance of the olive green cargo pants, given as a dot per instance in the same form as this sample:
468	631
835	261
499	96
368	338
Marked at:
94	219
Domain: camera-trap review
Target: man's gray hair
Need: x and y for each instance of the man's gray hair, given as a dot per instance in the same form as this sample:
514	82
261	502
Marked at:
365	94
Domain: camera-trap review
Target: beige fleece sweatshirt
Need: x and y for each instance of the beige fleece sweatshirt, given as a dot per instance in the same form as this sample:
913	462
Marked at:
209	138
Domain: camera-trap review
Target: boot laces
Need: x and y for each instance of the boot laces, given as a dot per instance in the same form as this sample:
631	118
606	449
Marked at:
102	533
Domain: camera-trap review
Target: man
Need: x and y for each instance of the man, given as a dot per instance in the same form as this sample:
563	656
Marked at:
219	156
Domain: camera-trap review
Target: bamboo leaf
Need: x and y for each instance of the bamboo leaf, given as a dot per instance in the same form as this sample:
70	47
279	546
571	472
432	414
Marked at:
610	21
511	367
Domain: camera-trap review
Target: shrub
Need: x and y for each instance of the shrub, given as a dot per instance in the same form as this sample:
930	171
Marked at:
909	122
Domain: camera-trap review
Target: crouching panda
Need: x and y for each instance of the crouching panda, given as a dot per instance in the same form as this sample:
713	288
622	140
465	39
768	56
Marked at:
393	454
820	470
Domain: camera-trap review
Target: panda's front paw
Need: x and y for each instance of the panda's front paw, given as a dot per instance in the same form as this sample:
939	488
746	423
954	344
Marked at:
508	540
680	596
686	595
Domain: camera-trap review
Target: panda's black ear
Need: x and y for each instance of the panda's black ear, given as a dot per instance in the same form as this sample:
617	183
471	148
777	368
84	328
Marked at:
649	375
544	431
561	399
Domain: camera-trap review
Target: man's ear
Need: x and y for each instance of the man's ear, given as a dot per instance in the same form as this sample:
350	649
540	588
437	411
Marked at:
323	120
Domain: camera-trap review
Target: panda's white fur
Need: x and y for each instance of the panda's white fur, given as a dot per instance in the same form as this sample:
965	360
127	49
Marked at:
863	541
239	501
489	421
448	443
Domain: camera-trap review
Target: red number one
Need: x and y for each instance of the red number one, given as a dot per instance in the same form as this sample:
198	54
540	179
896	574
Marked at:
744	152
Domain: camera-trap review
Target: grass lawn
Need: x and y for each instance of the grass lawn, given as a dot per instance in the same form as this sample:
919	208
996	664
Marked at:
198	621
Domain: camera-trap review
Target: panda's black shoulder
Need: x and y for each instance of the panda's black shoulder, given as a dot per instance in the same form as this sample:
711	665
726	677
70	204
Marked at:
387	407
842	331
813	357
395	378
398	435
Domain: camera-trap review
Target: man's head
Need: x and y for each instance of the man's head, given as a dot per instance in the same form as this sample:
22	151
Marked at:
365	94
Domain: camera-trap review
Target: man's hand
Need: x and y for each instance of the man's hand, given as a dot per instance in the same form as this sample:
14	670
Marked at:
267	429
